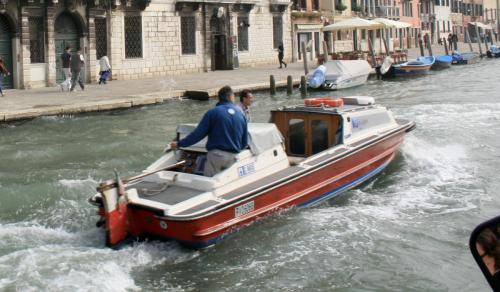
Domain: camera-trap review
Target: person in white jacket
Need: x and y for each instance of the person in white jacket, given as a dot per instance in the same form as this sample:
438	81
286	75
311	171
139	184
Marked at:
105	69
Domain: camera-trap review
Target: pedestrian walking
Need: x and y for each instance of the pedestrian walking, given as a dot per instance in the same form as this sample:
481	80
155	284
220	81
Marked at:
450	41
105	69
454	39
76	64
3	72
281	54
65	60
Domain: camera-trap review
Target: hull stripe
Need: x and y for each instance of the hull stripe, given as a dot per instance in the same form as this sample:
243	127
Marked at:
345	187
312	202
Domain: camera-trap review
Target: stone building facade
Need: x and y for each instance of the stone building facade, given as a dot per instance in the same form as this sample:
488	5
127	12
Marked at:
142	38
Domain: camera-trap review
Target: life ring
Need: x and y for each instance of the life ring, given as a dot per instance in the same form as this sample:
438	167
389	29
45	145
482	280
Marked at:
328	101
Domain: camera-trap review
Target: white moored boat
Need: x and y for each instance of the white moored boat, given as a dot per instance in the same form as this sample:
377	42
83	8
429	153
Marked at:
340	74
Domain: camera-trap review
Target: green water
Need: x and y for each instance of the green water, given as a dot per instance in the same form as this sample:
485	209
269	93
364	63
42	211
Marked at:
406	230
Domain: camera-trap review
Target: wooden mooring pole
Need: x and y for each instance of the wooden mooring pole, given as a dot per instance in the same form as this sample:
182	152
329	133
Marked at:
272	85
468	39
446	47
289	85
421	46
479	42
325	52
303	86
304	57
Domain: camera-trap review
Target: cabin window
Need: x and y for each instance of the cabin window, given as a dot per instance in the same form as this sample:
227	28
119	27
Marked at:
319	129
297	134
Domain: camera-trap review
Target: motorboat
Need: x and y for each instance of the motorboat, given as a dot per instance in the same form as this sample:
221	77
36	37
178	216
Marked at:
464	58
339	74
442	62
421	65
307	154
493	52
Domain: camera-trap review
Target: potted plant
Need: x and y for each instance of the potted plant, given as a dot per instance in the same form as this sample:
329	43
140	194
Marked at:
339	6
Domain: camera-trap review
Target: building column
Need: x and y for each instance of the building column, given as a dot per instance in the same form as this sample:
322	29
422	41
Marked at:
91	48
24	53
51	47
117	42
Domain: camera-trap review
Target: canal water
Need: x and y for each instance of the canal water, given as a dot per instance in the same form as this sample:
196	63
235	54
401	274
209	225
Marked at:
406	230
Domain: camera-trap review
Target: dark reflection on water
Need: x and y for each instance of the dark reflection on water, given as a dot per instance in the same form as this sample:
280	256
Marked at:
407	229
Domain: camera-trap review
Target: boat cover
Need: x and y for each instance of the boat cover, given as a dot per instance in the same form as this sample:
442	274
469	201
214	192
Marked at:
348	68
444	58
262	136
317	79
494	49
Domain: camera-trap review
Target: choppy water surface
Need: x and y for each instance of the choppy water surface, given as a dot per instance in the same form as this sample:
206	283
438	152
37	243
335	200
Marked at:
407	229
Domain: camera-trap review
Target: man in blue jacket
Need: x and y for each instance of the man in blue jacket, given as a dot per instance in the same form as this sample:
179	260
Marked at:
227	131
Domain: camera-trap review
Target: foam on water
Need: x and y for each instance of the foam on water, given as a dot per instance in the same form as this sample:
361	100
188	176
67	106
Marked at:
57	260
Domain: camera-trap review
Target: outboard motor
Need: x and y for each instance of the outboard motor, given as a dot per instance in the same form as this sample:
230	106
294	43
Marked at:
384	69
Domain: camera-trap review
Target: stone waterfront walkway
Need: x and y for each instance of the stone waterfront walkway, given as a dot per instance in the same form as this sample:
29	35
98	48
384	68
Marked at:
26	104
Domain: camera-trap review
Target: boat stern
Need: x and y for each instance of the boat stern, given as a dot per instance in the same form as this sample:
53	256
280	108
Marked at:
114	211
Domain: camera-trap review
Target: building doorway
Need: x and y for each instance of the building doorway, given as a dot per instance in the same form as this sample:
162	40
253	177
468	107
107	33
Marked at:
303	37
66	34
220	45
220	52
6	49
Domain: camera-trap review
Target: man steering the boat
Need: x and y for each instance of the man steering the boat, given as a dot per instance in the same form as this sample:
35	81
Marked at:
227	131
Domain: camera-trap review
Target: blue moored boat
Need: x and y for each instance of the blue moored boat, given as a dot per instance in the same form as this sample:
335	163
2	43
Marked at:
442	62
464	58
421	65
493	52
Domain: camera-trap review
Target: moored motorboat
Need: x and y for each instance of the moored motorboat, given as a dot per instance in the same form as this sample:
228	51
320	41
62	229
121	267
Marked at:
309	153
442	62
421	65
340	74
493	52
464	58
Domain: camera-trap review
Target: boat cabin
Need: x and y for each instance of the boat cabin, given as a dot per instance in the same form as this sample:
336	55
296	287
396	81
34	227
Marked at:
308	130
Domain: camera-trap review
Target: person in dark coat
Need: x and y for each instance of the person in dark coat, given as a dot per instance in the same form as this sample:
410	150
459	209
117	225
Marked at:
454	39
450	41
226	130
76	64
281	54
65	60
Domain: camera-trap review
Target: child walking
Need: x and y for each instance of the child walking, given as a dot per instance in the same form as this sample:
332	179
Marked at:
105	69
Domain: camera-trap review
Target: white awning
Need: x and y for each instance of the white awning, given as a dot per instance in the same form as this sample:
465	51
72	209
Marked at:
481	25
309	26
353	23
392	23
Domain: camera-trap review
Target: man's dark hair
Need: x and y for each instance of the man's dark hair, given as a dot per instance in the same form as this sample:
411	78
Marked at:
67	48
244	94
225	93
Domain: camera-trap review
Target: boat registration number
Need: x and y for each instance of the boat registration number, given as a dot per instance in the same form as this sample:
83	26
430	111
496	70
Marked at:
244	209
246	169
